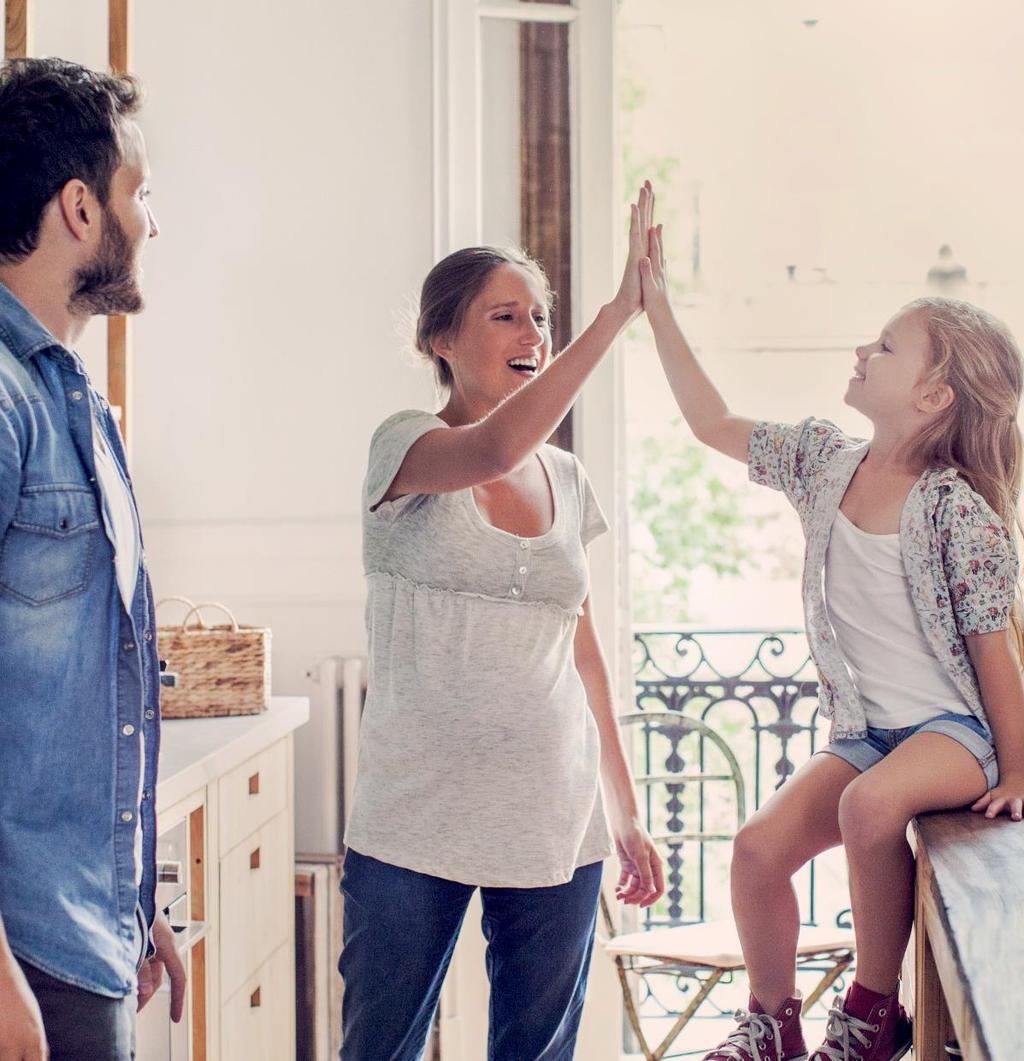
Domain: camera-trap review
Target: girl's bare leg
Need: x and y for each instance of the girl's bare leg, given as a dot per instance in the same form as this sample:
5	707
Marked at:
800	820
928	771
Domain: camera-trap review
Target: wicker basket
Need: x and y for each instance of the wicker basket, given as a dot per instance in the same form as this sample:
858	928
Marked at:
222	670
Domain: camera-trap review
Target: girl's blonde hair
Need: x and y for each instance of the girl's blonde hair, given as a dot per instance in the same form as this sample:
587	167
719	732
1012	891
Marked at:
976	356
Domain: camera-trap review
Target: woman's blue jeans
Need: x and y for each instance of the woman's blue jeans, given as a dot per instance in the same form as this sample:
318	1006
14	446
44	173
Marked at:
400	932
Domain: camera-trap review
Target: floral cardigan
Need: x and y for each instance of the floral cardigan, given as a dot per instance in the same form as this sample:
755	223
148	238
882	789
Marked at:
960	560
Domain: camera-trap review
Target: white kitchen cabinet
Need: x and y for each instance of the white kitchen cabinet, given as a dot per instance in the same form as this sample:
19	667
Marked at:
232	780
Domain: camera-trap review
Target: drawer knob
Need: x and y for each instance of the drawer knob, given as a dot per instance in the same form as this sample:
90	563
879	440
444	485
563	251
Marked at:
254	784
254	999
254	859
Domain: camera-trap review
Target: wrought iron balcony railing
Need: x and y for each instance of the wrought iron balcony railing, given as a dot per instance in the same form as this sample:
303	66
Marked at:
758	691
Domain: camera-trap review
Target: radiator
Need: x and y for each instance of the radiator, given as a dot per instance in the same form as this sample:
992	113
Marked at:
326	751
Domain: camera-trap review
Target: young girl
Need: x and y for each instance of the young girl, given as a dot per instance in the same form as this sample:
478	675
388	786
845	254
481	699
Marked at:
489	709
909	585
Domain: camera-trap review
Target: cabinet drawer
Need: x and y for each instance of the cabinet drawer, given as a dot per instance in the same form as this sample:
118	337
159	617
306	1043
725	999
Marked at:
256	902
256	1021
252	794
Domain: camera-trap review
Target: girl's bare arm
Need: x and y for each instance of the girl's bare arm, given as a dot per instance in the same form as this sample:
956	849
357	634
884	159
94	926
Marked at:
1002	692
697	397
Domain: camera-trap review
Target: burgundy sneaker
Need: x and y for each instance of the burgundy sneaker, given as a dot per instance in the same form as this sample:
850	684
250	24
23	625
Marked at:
764	1037
884	1033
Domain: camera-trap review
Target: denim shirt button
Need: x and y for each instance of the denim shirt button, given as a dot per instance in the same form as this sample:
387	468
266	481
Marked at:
76	396
150	714
129	646
148	635
126	816
127	729
146	794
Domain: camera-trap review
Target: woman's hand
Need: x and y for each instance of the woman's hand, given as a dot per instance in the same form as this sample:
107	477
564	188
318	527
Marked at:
641	215
641	882
653	282
1007	796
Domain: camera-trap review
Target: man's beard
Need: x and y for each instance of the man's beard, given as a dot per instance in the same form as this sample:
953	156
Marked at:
108	285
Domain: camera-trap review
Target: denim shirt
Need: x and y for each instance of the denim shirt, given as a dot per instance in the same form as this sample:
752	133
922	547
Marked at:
79	680
960	559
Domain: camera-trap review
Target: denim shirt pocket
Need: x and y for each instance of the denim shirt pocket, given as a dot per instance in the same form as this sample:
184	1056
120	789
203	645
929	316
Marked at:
48	550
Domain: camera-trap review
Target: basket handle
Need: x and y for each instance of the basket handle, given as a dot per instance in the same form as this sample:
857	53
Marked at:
197	612
180	600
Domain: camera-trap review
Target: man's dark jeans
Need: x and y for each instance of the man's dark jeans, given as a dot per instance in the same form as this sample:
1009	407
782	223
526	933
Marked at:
82	1026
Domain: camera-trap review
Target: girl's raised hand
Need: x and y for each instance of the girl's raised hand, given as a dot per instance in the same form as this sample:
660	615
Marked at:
641	214
654	284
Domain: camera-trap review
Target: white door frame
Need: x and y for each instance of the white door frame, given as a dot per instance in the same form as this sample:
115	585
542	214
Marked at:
598	431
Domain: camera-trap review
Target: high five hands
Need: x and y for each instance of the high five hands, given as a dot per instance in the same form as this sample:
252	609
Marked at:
644	287
653	282
641	217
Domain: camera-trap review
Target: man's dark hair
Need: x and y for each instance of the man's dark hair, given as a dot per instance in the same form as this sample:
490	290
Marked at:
58	121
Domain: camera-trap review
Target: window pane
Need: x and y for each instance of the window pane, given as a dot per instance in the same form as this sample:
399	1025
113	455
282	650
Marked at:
809	170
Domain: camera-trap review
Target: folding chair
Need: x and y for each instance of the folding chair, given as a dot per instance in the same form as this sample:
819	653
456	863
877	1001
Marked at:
709	950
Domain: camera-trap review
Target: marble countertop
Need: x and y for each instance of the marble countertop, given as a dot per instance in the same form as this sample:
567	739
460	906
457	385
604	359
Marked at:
196	751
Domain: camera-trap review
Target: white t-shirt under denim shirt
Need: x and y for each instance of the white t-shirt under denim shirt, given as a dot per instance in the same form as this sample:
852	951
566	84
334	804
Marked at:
122	527
478	758
895	671
119	518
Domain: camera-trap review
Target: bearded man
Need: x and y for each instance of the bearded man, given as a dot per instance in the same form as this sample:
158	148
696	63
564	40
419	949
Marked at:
81	945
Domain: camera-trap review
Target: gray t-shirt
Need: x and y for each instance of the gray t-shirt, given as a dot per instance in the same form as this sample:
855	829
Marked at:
478	757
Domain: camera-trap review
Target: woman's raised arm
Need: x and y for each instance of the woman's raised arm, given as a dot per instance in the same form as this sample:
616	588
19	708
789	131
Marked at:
462	456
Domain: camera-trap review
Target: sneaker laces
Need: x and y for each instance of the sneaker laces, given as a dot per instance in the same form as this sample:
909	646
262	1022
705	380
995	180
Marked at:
743	1044
843	1026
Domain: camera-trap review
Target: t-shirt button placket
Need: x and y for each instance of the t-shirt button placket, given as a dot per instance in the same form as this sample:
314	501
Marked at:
521	569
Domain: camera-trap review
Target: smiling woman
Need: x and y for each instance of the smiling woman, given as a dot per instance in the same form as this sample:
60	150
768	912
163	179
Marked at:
489	715
468	277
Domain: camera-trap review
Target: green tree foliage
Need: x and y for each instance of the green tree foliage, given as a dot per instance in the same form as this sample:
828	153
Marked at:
683	518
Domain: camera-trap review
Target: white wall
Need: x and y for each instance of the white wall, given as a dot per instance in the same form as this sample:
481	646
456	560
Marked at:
291	179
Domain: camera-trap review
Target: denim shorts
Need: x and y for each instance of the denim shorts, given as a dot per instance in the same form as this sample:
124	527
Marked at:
864	752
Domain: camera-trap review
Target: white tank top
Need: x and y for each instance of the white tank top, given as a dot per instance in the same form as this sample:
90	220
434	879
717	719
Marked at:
899	680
